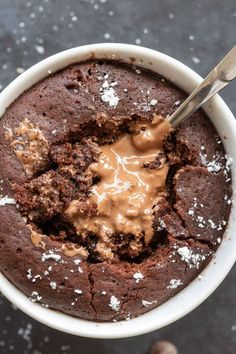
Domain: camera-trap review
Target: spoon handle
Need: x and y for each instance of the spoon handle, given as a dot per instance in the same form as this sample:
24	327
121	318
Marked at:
217	79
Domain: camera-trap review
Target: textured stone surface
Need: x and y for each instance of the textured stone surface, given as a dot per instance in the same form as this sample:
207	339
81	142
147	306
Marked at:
189	31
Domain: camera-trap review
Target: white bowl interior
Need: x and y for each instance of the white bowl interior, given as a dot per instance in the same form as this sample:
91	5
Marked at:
214	273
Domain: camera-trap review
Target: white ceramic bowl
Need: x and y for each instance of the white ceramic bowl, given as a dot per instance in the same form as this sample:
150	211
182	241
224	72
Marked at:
214	273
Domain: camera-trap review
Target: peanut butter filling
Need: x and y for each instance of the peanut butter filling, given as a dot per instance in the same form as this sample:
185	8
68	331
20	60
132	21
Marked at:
29	145
37	239
129	190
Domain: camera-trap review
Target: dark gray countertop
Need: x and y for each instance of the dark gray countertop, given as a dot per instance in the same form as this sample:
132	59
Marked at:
197	32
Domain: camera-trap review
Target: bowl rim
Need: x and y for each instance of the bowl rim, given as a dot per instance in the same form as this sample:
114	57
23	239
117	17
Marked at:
196	292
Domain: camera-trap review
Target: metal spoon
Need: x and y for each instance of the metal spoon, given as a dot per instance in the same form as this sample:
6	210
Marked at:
217	79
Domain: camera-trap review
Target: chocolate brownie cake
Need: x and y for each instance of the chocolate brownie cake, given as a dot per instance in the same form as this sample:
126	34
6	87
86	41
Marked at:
106	211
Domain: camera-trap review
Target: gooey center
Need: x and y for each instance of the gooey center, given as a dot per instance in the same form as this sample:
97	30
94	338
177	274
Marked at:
130	187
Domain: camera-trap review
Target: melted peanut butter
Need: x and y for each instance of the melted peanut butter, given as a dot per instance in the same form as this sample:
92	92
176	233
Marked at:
127	191
29	145
69	250
37	239
72	251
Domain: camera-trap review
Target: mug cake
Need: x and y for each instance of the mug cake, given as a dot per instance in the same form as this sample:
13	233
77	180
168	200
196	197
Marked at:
106	210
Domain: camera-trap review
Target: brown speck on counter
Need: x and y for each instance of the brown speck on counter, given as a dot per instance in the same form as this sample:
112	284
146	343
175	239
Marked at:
163	347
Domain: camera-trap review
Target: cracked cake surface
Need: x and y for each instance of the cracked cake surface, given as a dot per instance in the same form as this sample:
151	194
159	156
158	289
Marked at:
106	212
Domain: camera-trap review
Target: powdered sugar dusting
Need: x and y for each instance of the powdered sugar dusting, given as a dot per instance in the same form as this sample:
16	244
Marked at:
216	164
191	258
114	303
80	270
174	283
53	285
6	200
153	102
50	255
35	296
34	278
108	93
77	261
138	276
199	219
148	303
229	162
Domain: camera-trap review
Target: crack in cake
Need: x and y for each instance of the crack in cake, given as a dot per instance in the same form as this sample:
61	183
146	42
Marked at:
106	211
